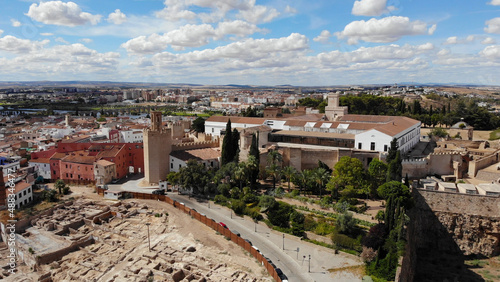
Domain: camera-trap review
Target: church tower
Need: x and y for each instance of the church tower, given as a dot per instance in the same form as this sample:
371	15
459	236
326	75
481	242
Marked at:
333	111
157	148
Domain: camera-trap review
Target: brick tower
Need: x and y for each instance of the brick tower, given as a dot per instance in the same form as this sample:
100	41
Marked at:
157	148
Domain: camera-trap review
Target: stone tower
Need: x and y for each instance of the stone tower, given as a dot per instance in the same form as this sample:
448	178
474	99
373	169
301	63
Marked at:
157	148
333	111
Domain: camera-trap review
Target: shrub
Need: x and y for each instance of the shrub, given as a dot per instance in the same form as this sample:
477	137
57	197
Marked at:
220	199
250	198
368	254
279	214
66	190
238	206
345	223
254	214
345	241
266	201
309	222
294	193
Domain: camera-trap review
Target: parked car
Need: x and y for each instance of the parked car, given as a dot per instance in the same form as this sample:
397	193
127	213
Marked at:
236	233
159	192
223	225
249	242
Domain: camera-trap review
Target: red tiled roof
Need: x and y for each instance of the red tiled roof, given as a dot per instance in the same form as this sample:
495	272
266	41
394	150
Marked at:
197	154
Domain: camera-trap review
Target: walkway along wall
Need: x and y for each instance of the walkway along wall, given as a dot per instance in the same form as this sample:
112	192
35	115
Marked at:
212	224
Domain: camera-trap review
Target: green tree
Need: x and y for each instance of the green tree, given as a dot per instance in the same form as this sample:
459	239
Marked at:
348	174
173	178
345	223
254	152
395	168
288	172
377	171
274	171
196	177
297	223
438	132
321	177
279	214
235	146
59	185
227	145
198	125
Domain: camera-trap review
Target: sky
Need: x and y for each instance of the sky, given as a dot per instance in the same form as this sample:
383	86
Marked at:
275	42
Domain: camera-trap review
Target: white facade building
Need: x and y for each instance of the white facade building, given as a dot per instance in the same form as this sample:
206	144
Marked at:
42	166
131	136
209	157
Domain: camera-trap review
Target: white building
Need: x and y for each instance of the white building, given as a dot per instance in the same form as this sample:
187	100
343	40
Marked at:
42	165
209	157
131	136
23	193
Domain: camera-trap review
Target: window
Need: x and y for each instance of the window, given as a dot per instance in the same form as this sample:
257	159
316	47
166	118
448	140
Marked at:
171	165
66	174
24	193
360	145
385	148
372	146
179	166
212	130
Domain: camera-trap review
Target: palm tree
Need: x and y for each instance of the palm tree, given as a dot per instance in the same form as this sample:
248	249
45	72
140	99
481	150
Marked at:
240	173
274	157
321	176
288	172
274	171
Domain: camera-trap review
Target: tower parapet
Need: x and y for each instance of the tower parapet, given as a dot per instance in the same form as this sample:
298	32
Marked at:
333	111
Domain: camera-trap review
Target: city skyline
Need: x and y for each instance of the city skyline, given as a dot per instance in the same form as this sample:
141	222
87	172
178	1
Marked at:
249	42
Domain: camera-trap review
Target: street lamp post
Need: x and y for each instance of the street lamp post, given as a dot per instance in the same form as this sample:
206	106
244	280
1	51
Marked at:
283	242
255	223
149	241
309	263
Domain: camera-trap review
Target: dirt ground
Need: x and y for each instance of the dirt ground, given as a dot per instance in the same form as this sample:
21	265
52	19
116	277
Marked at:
121	253
488	268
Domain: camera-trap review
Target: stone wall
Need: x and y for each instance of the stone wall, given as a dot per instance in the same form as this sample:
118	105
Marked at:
481	163
443	228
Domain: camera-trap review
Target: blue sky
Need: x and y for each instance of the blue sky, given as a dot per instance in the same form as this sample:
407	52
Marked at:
306	43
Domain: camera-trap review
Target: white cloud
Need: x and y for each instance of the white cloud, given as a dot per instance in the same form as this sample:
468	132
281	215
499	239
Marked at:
493	26
60	13
15	23
455	40
86	40
369	7
259	14
237	27
495	2
61	40
243	54
174	11
451	40
491	52
1	31
488	41
432	29
188	36
323	37
385	30
46	34
13	44
290	10
117	17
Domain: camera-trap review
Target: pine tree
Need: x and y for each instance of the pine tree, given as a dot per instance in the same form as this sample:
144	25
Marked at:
235	146
254	151
227	142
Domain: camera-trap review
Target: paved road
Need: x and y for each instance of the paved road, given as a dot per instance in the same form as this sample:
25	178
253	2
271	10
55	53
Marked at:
270	243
